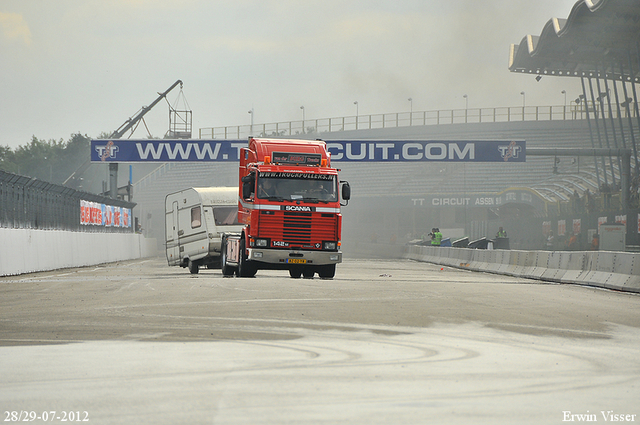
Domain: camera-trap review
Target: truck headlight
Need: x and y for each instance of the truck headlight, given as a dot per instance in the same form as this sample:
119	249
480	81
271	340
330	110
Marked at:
329	246
262	243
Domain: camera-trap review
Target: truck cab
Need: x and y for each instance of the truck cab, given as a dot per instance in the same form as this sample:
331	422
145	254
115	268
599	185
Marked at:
290	207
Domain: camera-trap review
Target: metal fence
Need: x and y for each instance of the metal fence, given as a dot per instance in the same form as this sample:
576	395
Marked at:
572	111
29	203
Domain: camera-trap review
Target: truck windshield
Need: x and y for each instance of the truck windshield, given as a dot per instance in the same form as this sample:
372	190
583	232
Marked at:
281	186
226	215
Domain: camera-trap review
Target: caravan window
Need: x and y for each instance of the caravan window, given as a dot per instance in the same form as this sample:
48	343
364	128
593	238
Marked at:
226	215
196	217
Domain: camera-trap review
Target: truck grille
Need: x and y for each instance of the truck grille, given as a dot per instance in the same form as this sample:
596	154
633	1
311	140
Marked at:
298	228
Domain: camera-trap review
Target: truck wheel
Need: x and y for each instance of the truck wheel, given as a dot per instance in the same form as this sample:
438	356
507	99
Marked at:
327	272
308	273
227	270
193	267
295	272
245	268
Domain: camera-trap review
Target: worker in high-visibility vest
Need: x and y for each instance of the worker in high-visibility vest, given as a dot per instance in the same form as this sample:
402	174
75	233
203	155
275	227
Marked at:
436	237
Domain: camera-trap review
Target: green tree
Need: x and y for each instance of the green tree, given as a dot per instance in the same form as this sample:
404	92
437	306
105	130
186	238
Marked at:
7	162
52	160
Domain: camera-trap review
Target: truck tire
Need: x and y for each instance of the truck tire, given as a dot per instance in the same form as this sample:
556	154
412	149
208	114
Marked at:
227	270
308	273
245	267
295	272
193	267
327	272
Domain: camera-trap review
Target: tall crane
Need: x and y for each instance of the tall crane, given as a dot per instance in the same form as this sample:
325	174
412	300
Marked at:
126	126
131	122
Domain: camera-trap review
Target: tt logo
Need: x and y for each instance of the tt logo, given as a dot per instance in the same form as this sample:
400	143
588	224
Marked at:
107	151
510	151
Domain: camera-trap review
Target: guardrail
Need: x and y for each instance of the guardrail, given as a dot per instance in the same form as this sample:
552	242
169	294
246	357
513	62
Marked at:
406	119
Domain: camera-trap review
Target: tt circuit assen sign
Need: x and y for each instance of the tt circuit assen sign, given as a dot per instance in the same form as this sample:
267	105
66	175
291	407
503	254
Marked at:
341	150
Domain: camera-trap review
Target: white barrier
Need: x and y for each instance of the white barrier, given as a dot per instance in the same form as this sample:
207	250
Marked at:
612	270
30	250
553	272
626	270
529	264
576	271
599	267
520	261
539	265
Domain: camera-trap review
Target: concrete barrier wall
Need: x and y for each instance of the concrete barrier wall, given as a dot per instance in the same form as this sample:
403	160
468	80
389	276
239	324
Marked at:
30	250
612	270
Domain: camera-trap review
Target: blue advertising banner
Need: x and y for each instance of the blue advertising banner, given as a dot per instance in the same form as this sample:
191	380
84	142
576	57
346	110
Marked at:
427	150
341	150
165	150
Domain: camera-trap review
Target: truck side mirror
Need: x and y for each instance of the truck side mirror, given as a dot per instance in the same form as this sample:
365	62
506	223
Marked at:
246	190
346	191
247	186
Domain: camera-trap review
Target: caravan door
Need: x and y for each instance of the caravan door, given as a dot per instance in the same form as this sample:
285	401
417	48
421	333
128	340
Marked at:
173	242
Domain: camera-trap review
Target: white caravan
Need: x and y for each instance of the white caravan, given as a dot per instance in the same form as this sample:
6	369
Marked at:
195	220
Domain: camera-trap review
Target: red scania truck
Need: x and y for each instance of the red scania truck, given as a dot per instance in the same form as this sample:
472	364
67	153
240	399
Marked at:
289	204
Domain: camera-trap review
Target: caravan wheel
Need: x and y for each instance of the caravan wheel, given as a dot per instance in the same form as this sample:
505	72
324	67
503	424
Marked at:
193	267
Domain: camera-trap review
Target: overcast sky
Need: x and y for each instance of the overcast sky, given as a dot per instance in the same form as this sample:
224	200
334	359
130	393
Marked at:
85	66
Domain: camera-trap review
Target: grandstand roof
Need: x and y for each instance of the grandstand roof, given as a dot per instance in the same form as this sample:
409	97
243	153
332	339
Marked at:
598	37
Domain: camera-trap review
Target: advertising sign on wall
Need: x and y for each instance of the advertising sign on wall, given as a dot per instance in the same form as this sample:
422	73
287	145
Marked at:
95	214
513	195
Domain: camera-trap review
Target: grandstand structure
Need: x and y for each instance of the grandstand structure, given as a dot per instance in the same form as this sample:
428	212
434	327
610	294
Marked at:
395	202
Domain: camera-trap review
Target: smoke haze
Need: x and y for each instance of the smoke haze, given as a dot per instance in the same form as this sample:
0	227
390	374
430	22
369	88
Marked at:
88	65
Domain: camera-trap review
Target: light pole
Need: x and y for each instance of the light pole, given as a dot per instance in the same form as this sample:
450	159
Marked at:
523	104
302	107
466	107
357	113
564	107
410	111
251	113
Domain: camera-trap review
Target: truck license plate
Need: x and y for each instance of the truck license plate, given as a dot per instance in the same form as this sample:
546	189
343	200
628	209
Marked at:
296	261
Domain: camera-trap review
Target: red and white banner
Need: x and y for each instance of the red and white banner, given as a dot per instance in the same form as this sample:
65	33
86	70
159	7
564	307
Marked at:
95	214
577	226
562	227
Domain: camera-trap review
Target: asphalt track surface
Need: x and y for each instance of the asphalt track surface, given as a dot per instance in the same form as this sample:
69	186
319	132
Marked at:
385	342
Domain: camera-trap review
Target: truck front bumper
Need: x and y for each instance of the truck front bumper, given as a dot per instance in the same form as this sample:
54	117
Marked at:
284	257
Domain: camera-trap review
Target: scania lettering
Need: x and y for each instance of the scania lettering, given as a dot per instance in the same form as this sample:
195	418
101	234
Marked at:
297	208
289	206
